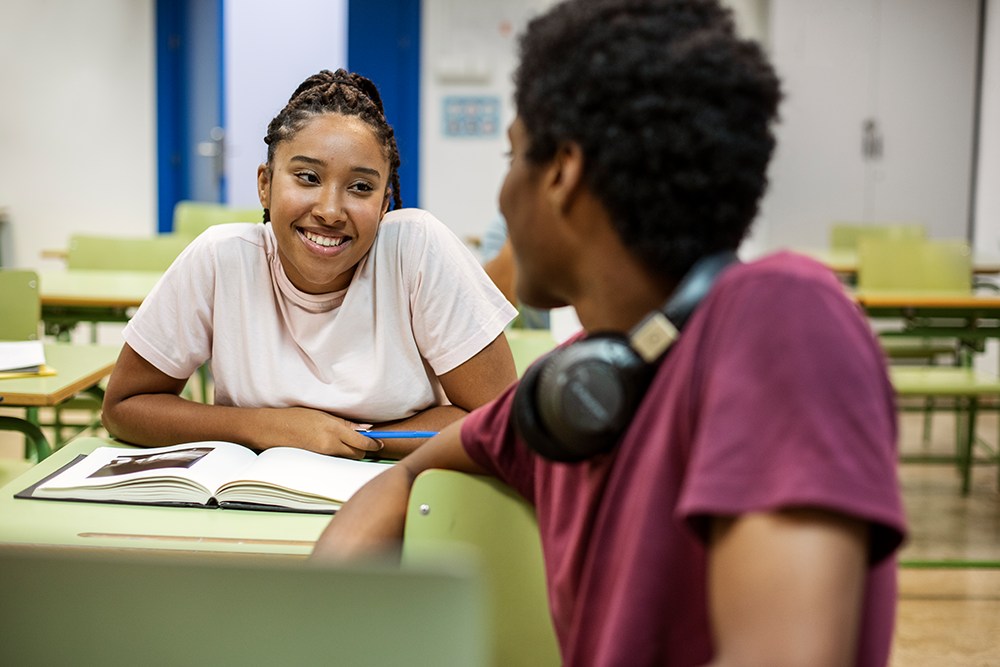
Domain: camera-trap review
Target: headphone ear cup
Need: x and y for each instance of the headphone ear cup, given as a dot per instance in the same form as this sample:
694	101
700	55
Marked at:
526	420
576	402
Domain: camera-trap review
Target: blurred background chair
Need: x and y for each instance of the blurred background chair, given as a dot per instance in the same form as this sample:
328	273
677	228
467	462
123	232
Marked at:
940	268
449	509
527	345
21	308
191	218
847	235
119	253
114	253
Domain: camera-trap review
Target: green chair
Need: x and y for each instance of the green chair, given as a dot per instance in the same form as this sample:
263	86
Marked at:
930	267
916	265
452	510
847	235
63	608
191	218
22	307
965	388
120	253
527	345
22	310
153	253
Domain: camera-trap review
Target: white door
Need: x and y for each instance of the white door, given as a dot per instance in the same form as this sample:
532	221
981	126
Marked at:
877	120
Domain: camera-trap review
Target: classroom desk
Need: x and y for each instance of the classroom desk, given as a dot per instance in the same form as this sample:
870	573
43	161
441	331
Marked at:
178	529
845	262
89	295
78	368
972	318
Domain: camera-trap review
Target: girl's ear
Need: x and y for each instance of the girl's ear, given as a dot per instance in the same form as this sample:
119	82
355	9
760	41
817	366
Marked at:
264	185
386	198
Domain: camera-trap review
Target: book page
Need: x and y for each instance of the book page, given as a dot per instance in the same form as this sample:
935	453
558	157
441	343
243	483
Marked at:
299	479
180	473
22	356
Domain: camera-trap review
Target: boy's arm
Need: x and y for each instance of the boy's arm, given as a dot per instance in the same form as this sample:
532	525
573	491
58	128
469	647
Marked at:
786	588
371	522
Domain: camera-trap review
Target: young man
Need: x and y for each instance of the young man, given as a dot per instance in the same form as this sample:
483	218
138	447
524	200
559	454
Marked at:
748	511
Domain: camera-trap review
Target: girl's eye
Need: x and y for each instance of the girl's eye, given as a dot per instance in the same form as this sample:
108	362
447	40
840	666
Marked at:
363	187
307	176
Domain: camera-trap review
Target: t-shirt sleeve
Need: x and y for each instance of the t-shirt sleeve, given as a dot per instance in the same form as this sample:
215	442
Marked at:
491	441
172	329
796	411
456	308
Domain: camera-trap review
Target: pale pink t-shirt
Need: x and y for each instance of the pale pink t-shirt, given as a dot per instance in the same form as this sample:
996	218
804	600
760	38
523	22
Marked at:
419	306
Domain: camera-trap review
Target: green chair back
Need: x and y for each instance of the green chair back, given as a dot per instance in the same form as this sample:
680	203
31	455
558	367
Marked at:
118	609
20	305
153	253
917	265
191	218
448	509
527	345
847	235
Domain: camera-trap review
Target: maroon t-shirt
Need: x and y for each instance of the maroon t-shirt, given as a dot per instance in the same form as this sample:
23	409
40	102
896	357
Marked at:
775	396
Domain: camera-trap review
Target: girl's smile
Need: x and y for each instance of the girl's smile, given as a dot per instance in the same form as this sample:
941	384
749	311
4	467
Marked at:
326	189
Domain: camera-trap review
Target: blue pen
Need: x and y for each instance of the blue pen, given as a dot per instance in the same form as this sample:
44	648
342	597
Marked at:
399	434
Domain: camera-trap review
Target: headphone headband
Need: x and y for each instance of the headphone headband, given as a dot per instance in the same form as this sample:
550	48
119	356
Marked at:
658	330
577	401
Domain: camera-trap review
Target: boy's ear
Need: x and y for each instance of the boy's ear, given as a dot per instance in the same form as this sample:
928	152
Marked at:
564	176
264	186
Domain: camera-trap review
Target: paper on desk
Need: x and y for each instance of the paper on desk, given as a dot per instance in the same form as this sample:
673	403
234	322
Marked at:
22	356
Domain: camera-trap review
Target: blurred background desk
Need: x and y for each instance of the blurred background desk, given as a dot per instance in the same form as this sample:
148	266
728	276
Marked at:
972	318
91	295
50	523
78	368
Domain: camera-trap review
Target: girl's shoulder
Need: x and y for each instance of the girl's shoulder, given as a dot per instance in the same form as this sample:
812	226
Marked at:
409	225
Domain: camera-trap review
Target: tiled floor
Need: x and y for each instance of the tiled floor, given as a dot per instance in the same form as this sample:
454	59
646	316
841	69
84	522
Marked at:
946	616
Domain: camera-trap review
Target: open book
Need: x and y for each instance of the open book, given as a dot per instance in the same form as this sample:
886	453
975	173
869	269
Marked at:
210	474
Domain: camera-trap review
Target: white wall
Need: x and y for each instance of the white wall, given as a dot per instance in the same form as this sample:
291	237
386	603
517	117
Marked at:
469	49
77	124
270	49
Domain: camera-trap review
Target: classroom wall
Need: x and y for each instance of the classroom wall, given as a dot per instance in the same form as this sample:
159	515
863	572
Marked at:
77	129
77	124
469	55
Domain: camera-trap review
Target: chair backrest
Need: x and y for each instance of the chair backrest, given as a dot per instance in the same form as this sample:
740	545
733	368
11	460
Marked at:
20	305
191	218
915	265
527	345
847	235
121	253
452	509
72	609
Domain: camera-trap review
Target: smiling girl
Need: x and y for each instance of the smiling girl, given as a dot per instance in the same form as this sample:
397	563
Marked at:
334	313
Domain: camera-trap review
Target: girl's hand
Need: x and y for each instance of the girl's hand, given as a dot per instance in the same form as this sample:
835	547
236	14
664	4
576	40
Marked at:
316	431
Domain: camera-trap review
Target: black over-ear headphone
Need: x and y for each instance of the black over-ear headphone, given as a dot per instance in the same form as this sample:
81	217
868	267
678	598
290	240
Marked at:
576	401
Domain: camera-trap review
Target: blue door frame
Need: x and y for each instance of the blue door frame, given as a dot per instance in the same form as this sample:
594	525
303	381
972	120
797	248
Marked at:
373	27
